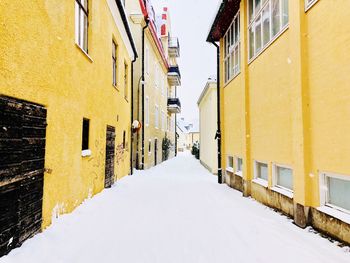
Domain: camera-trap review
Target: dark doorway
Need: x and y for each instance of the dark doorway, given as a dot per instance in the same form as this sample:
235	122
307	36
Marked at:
22	160
110	152
155	151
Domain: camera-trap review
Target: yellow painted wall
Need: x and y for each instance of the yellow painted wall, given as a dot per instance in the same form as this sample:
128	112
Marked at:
40	62
208	127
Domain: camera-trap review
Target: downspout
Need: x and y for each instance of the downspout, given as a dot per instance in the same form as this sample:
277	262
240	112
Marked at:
143	95
132	115
218	132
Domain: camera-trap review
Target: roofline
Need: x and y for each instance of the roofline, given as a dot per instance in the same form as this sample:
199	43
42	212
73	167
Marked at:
127	27
204	91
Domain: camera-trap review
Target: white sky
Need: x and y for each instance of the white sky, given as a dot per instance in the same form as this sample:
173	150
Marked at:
191	20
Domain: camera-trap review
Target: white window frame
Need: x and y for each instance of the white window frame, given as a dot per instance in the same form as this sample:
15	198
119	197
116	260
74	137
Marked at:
238	172
309	4
278	188
251	24
82	29
324	195
230	49
257	179
156	116
163	120
147	111
228	167
156	75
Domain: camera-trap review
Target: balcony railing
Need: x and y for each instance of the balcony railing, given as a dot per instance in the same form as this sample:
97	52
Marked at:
174	76
174	105
174	47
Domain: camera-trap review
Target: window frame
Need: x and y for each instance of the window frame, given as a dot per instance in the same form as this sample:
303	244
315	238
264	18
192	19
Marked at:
126	81
272	38
279	188
310	4
238	172
260	180
147	60
230	71
114	63
228	167
324	190
78	26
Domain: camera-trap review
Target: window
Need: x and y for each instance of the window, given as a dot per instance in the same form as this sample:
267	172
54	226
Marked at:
239	166
85	137
114	63
156	75
149	147
147	60
335	191
147	111
168	123
163	85
81	24
126	76
156	116
309	3
163	121
267	18
124	140
232	49
261	171
229	166
283	177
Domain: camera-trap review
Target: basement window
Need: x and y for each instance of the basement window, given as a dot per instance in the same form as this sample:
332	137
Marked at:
85	138
335	191
229	166
239	166
124	140
261	173
283	180
149	147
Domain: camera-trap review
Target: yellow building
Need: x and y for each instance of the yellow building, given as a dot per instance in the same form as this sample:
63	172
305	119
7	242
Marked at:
156	76
207	104
285	97
65	106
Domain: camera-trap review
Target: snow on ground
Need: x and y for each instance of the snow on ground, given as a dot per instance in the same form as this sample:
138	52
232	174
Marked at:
176	213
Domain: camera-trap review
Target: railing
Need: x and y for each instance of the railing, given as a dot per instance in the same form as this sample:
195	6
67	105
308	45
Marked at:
175	69
174	101
174	46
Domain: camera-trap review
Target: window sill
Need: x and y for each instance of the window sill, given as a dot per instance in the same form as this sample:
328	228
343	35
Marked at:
229	169
84	52
86	153
115	86
232	79
268	44
239	173
308	7
261	182
341	215
283	191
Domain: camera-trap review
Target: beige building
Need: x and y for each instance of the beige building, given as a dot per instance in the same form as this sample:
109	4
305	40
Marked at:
207	126
156	76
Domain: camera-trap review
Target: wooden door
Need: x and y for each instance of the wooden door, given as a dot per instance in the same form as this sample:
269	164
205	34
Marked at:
22	160
110	153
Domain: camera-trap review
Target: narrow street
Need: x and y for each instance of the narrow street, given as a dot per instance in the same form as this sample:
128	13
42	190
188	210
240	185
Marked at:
177	213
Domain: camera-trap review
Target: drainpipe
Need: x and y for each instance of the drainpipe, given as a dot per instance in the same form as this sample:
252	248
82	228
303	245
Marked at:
143	94
218	132
132	115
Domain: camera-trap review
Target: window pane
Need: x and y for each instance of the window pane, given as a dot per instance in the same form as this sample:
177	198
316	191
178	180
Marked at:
237	29
339	192
230	162
285	177
258	34
251	41
239	164
257	5
232	57
276	17
266	24
251	10
262	171
285	11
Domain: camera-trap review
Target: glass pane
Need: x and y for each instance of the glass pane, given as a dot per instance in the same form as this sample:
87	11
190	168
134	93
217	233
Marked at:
276	17
230	162
237	29
266	24
225	46
257	5
251	41
239	164
228	69
285	11
339	192
258	34
232	57
251	10
262	171
232	35
239	57
285	177
236	61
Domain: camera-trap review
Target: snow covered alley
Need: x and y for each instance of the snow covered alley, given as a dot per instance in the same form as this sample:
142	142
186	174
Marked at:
177	213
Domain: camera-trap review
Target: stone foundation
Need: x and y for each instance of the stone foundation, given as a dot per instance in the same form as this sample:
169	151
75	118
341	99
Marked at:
234	181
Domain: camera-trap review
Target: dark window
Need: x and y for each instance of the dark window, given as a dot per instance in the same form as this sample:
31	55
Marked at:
85	141
149	146
124	143
126	69
114	63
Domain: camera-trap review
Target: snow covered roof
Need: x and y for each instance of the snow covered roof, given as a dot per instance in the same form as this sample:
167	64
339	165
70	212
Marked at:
187	127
